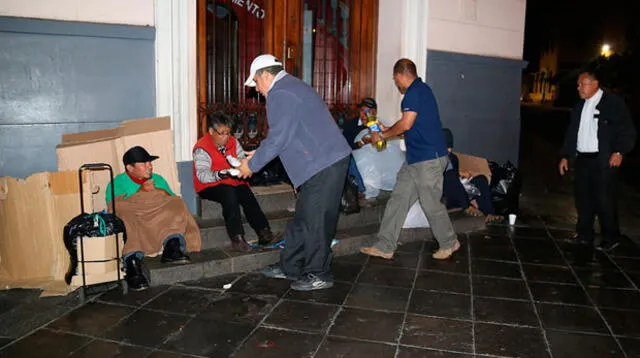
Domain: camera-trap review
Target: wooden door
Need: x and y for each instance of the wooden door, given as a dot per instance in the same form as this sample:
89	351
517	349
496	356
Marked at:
331	44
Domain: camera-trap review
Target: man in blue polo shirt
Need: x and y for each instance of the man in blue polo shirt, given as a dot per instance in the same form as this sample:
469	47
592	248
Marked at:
420	178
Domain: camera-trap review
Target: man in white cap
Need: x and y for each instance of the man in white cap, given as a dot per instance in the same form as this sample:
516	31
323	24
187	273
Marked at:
315	155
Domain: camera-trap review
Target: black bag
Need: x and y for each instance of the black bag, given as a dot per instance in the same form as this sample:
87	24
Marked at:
349	203
273	173
89	225
506	183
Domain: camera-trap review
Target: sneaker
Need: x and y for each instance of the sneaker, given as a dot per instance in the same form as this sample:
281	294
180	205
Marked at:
608	245
273	271
136	274
373	251
172	253
311	282
443	254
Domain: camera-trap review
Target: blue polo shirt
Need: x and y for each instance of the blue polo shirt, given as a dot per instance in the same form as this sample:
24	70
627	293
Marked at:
425	139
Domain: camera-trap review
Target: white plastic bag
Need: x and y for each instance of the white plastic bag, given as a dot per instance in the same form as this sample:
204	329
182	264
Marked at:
470	188
378	169
415	217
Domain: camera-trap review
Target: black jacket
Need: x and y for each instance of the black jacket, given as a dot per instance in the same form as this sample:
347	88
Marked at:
350	130
616	131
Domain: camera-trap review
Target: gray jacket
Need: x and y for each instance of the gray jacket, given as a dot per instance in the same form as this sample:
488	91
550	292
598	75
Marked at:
302	132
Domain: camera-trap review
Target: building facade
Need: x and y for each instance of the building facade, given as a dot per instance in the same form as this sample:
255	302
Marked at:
77	65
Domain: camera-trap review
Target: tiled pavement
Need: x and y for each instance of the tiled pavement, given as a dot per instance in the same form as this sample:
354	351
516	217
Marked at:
522	292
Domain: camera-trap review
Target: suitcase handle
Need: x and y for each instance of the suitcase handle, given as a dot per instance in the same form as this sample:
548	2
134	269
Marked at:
96	166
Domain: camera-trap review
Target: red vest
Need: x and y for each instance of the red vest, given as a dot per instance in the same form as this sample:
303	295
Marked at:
218	162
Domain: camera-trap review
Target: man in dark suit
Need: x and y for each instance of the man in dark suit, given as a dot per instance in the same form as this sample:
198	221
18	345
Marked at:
600	133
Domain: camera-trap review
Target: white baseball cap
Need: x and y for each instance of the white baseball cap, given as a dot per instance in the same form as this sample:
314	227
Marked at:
260	62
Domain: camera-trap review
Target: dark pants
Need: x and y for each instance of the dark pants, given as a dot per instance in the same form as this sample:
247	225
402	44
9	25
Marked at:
595	194
309	235
453	191
484	200
231	198
353	170
457	196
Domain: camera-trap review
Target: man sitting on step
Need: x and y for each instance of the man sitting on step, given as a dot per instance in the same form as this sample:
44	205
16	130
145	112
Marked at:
478	201
214	157
156	220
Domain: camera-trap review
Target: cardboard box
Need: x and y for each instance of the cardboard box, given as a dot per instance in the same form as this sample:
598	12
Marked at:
102	249
109	145
33	213
111	276
474	165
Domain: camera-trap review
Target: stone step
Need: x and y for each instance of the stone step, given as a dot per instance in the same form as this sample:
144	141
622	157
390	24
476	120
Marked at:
222	261
272	199
214	233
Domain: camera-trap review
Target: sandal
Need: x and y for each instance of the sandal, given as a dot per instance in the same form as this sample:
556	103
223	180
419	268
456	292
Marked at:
472	211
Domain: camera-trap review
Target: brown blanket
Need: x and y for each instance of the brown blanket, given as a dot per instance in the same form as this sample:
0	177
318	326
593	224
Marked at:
150	217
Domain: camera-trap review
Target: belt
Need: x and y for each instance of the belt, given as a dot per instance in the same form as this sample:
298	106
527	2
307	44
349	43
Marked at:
588	155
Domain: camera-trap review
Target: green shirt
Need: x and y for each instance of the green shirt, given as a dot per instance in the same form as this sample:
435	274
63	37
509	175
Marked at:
127	187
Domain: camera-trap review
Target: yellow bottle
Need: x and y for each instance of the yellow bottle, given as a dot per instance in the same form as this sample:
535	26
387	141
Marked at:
372	123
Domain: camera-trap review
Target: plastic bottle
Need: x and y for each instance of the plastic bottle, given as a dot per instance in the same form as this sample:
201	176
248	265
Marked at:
372	123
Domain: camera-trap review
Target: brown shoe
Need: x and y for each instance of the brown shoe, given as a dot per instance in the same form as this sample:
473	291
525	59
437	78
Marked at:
267	237
239	243
443	254
372	251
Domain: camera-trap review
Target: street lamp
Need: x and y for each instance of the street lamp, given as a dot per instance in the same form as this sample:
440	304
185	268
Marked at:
605	51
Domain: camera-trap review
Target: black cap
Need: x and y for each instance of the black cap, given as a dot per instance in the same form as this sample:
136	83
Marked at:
137	154
369	102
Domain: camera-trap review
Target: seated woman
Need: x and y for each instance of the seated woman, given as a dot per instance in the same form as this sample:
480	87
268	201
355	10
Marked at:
478	203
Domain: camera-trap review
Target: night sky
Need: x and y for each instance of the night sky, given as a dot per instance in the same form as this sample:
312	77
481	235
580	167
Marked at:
578	28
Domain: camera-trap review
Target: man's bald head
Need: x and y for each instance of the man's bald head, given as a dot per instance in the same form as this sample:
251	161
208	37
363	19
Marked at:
404	73
588	84
405	66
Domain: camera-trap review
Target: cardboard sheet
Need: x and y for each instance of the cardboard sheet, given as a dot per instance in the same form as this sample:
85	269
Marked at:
474	165
109	145
33	213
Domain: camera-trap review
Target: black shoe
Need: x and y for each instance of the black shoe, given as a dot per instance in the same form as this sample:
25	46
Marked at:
311	282
239	243
273	271
172	253
608	245
579	240
135	274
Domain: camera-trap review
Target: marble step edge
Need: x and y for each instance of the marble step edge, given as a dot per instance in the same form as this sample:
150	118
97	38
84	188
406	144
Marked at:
216	262
214	233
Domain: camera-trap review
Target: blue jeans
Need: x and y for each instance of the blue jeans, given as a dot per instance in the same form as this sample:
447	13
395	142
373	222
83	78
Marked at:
353	170
140	254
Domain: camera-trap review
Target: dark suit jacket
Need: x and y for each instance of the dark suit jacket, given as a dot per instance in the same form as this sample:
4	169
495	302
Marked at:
616	131
350	130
